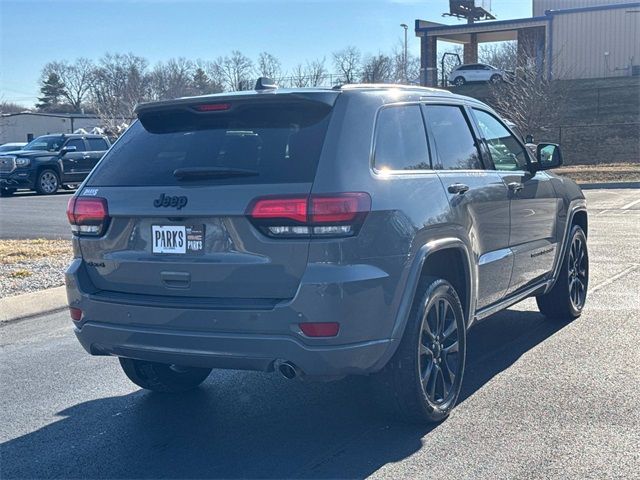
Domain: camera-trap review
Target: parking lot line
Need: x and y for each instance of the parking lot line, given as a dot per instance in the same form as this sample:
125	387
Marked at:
630	204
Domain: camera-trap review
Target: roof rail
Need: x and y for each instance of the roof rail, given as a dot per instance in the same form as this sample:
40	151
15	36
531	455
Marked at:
364	86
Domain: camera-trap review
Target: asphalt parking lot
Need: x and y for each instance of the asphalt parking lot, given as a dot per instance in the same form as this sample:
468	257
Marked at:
29	215
540	400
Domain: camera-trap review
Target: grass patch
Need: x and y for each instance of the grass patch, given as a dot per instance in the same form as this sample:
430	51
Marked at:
613	172
22	273
14	251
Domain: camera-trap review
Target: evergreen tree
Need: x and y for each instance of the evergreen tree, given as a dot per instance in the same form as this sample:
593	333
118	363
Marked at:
201	82
52	90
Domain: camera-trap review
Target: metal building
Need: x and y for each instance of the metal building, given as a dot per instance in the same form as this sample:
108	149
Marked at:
569	39
23	127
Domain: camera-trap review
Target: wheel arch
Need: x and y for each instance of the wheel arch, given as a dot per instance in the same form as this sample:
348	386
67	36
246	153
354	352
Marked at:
431	260
577	216
436	258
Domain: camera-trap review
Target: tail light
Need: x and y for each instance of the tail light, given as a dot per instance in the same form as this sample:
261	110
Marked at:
88	215
337	215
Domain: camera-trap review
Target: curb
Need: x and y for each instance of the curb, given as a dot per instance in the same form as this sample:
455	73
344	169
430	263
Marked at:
31	304
608	185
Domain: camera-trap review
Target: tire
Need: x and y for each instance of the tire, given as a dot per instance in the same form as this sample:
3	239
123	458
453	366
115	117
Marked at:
420	356
47	182
7	192
567	298
160	377
459	81
496	79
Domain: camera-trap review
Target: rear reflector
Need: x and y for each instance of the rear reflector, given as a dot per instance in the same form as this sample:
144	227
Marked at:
339	214
88	215
76	314
212	107
320	329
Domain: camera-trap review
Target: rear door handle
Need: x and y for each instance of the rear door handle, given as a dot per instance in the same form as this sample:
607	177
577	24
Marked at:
458	188
86	156
515	187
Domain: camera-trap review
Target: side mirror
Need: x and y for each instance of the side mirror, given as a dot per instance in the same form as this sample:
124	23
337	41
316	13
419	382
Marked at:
548	156
69	149
529	139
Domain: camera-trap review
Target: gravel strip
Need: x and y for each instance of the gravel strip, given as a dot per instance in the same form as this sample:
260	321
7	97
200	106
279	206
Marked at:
29	272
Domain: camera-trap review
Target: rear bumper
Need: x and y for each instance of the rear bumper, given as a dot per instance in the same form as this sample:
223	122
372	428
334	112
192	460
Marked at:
234	351
358	297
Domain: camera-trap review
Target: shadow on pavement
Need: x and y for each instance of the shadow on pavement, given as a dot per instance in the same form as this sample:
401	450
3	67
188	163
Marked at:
245	424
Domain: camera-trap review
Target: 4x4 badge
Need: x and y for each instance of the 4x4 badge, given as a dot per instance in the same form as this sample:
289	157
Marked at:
169	201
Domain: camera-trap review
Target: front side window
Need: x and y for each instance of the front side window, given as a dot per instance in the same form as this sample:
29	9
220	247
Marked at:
76	142
452	137
506	152
47	143
400	139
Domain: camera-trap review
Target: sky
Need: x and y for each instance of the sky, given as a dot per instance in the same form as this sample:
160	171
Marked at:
34	32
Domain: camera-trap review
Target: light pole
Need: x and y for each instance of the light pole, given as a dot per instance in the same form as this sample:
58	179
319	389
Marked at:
404	58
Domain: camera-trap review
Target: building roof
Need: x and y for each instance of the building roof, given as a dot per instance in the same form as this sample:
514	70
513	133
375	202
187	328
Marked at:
44	114
501	30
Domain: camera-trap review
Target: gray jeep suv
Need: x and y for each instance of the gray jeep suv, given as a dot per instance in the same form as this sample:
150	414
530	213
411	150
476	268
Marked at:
319	233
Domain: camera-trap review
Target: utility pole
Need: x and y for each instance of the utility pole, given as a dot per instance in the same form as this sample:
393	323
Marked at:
404	59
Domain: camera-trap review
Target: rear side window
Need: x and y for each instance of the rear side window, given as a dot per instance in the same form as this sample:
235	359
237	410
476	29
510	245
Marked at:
97	144
274	143
76	142
400	139
452	137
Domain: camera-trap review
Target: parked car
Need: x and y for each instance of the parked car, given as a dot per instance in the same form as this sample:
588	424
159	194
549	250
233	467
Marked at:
50	162
477	72
11	147
359	230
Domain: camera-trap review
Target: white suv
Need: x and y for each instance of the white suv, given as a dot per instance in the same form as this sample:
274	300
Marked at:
476	72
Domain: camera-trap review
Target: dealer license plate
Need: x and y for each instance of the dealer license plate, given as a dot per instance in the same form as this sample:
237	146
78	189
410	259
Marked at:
180	239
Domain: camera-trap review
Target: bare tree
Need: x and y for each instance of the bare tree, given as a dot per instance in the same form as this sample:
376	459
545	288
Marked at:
76	78
172	79
299	77
377	69
530	100
269	66
119	83
316	72
503	55
347	63
10	107
235	71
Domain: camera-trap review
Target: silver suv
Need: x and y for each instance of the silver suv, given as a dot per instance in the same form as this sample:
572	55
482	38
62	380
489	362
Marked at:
320	233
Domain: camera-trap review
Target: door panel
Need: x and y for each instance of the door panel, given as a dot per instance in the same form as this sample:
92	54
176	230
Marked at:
533	237
484	210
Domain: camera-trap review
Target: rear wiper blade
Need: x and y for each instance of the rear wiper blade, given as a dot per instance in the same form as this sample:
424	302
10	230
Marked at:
212	172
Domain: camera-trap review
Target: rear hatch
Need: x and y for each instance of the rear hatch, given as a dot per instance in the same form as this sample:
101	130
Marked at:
177	188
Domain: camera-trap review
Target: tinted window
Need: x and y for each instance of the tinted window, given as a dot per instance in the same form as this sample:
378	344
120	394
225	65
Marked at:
276	143
401	142
76	142
97	144
506	151
452	137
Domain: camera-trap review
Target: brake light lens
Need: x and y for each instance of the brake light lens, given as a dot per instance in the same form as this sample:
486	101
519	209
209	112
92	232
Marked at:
335	215
212	107
88	215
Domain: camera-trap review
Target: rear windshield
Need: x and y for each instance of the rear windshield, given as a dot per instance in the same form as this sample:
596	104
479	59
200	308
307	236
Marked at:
265	143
